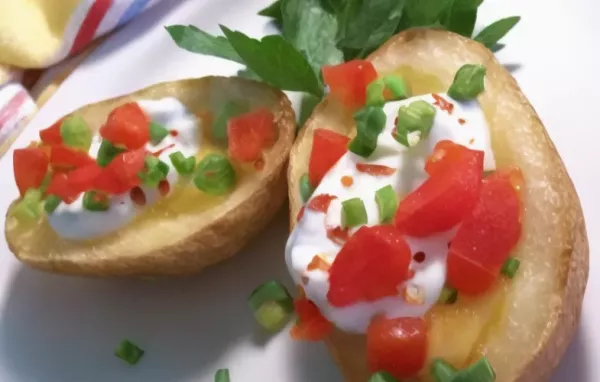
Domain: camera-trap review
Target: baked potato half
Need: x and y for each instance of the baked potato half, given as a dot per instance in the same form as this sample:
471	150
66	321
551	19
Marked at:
186	231
524	326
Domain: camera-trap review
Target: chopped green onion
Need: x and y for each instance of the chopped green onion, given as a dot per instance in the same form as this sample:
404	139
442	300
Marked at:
272	315
157	132
397	87
480	371
154	171
370	122
442	371
75	133
29	207
306	190
183	165
468	82
164	168
106	153
270	291
382	376
129	352
51	203
387	203
95	201
272	305
215	175
510	267
229	110
46	182
414	121
375	93
353	212
222	375
448	295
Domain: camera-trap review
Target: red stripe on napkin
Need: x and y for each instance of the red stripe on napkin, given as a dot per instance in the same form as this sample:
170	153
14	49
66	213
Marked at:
12	107
90	24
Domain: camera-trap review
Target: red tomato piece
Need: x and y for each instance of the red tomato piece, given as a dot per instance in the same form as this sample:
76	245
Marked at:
127	125
51	135
398	346
348	81
65	158
485	238
446	197
311	325
249	134
328	147
121	174
371	265
320	203
375	169
84	178
30	166
445	154
60	186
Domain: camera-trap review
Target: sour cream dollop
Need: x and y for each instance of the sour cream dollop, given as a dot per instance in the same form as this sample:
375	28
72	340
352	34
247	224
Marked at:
465	125
74	222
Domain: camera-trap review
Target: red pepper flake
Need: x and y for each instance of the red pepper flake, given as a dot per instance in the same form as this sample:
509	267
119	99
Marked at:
167	147
304	280
163	188
347	181
100	197
338	235
174	133
443	104
375	169
419	257
300	214
471	141
321	202
462	121
259	164
319	263
137	196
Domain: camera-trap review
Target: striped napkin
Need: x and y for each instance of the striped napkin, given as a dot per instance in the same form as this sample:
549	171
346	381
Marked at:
36	34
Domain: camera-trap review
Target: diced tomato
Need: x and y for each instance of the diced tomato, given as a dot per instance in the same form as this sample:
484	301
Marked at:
30	166
311	325
84	178
338	235
328	147
66	158
375	169
121	174
249	134
446	197
320	203
51	135
371	265
348	81
398	346
60	186
485	238
128	126
445	154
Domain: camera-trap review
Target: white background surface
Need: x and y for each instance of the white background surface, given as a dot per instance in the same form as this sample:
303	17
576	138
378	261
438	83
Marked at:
60	329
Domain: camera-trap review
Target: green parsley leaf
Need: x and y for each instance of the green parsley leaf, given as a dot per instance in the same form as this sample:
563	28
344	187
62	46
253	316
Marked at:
248	74
195	40
491	34
421	13
369	23
461	21
334	6
312	31
273	11
276	61
466	5
307	105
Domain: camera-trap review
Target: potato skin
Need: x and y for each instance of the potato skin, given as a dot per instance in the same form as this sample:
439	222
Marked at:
178	245
551	210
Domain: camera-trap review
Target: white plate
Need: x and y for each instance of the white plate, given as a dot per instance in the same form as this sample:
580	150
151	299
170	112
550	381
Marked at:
61	329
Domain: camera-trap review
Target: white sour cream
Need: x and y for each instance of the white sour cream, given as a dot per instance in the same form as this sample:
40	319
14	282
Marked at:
466	125
73	221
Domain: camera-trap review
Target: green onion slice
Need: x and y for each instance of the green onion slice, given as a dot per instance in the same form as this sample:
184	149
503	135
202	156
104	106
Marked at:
468	82
414	121
230	110
272	315
510	267
270	291
480	371
30	206
382	376
106	153
157	132
375	93
387	203
272	305
442	371
396	86
222	375
129	352
306	189
154	171
183	165
95	201
353	212
51	203
448	295
370	122
215	175
75	133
